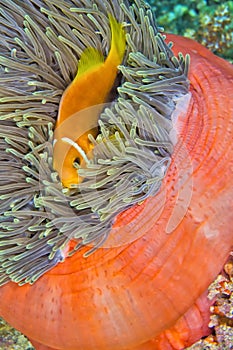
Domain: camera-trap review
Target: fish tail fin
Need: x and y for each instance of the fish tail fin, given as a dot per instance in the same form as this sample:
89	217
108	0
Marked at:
118	41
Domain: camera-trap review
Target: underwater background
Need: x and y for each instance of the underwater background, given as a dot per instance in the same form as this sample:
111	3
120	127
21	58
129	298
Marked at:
211	24
208	22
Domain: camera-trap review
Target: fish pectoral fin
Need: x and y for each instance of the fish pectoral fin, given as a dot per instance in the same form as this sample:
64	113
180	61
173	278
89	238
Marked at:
90	58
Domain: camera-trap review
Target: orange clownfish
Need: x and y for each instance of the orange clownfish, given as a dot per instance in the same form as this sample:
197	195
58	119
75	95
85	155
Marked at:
80	106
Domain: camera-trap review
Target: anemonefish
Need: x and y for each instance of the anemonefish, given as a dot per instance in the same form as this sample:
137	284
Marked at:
81	104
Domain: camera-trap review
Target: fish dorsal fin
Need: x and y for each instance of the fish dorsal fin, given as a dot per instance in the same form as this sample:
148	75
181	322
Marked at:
90	58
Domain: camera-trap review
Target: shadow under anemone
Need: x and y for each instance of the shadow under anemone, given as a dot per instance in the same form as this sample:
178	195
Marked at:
41	42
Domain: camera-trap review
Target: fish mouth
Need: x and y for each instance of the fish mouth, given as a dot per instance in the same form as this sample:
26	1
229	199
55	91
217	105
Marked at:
72	183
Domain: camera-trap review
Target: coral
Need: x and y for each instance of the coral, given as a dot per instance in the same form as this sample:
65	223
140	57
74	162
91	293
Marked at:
221	320
215	31
208	22
10	339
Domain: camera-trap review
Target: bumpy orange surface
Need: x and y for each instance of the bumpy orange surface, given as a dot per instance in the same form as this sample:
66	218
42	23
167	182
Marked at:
150	293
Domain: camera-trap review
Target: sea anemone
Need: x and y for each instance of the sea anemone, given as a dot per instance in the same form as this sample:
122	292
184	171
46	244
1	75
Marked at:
145	223
132	151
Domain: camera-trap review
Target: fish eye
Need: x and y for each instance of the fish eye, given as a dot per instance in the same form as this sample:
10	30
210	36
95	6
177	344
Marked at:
77	160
